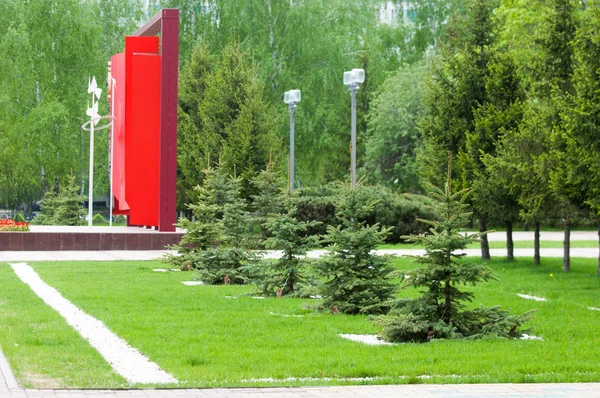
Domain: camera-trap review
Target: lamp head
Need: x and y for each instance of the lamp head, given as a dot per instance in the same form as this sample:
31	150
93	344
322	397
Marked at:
292	96
355	76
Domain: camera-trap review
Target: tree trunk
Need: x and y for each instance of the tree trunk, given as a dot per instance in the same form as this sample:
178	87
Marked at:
485	246
536	243
510	247
567	247
44	182
599	250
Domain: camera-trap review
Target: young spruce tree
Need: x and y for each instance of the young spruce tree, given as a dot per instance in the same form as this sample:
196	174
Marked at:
204	230
69	208
233	259
288	235
356	280
440	312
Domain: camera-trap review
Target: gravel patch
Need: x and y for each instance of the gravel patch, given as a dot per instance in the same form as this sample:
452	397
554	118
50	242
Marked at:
368	339
530	337
528	297
193	283
286	315
124	359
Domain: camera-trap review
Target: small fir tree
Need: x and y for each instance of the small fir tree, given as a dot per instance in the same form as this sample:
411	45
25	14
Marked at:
356	280
288	272
233	259
269	200
204	230
69	208
47	208
440	312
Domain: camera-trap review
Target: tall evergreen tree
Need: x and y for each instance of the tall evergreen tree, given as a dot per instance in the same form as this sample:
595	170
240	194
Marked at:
459	87
223	111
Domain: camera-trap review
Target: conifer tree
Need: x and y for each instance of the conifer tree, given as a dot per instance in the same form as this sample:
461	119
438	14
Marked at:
231	260
69	204
441	310
356	280
47	209
288	235
269	200
203	231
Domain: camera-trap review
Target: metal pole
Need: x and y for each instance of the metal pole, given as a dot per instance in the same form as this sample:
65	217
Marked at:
292	122
91	187
353	89
110	156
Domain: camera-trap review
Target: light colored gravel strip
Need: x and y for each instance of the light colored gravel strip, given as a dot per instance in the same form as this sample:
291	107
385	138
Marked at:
124	359
528	297
6	374
530	337
193	283
368	339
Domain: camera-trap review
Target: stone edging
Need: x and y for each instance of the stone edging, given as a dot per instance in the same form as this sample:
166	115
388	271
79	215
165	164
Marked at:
6	374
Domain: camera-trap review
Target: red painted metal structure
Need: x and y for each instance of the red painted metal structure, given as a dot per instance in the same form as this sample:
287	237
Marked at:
145	123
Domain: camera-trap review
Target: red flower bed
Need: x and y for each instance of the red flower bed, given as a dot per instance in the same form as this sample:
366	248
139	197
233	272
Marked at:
10	225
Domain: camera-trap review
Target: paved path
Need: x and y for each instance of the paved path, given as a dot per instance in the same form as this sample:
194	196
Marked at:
115	255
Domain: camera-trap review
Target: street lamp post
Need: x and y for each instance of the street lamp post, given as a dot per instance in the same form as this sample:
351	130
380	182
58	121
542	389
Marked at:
353	79
291	98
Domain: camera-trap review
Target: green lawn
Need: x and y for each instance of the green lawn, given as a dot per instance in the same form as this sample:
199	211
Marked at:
205	339
524	244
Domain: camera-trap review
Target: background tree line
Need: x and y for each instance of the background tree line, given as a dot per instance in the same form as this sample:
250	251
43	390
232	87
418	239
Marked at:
509	86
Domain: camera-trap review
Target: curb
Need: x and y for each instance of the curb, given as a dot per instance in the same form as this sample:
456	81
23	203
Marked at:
6	373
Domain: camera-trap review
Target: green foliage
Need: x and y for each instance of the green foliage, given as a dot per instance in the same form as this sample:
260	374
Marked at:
213	265
98	219
269	199
69	204
223	111
47	209
393	130
203	231
64	207
289	236
19	217
440	312
391	209
356	280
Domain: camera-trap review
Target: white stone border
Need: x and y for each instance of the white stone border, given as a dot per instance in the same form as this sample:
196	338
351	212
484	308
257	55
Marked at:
528	297
125	360
7	374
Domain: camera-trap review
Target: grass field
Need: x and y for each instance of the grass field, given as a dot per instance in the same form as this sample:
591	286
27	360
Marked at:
520	244
206	339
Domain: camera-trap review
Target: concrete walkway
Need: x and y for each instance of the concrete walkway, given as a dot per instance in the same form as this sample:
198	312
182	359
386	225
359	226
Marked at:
130	255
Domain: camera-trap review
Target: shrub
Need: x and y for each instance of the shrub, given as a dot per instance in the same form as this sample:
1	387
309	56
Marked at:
398	211
98	219
19	218
214	264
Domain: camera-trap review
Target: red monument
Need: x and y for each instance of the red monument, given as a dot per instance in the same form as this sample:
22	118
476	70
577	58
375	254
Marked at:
143	97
